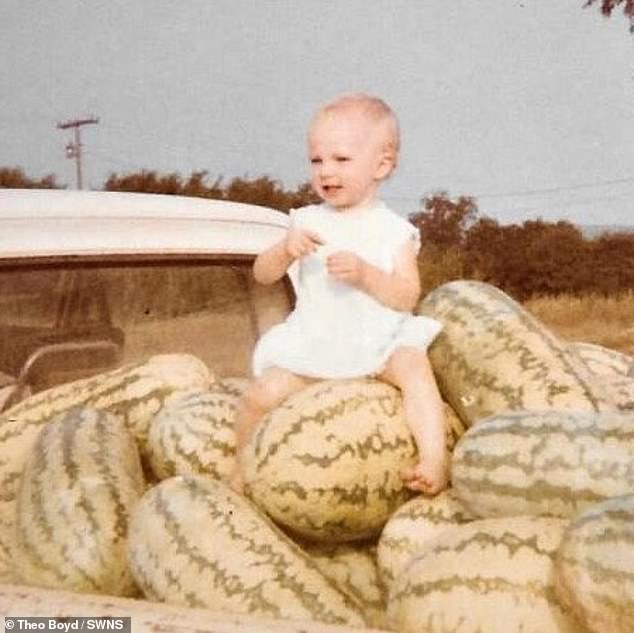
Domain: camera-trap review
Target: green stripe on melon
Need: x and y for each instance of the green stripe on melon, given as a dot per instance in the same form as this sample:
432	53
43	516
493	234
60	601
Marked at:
353	569
594	567
487	576
550	463
455	427
492	356
194	433
326	463
234	385
602	360
619	388
80	482
196	543
410	529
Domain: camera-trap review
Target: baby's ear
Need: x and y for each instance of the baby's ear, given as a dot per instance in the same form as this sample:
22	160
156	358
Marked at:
387	163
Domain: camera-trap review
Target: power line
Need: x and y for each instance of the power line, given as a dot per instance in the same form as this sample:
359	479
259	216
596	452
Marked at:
541	205
570	203
536	192
525	193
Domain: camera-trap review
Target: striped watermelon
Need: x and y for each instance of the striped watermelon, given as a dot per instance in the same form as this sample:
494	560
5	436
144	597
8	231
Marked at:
194	433
550	463
134	393
353	569
326	463
410	529
80	482
195	543
487	576
594	567
494	357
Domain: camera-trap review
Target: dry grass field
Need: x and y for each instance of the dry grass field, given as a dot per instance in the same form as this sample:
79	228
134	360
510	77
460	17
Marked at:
603	320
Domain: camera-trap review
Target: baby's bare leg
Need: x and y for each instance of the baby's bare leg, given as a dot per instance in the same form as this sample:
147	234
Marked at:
408	368
261	396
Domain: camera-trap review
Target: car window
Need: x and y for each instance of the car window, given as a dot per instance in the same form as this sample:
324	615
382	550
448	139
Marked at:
62	321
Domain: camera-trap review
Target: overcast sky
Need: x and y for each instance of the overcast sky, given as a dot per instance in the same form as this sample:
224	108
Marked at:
527	105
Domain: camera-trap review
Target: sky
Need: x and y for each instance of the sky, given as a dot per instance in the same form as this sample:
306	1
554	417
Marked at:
526	105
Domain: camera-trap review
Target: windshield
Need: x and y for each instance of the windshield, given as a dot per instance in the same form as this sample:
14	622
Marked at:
61	321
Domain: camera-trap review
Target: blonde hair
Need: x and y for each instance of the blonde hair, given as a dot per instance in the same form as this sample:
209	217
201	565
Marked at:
376	110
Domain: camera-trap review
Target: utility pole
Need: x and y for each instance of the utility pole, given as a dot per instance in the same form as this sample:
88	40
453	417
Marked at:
73	149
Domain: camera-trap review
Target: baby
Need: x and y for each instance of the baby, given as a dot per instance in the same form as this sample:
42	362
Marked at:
358	285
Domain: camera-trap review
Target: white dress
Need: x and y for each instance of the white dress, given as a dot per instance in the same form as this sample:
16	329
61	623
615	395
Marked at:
336	330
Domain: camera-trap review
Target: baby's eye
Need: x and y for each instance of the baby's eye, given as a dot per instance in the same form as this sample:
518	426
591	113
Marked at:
342	159
315	161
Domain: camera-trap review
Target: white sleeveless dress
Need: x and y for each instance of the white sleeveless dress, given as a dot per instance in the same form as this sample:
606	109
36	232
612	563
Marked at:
335	330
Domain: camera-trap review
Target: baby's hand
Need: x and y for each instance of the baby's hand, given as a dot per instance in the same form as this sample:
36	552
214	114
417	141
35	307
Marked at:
346	267
300	242
429	477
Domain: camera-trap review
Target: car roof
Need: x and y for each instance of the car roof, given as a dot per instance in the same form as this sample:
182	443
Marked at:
38	223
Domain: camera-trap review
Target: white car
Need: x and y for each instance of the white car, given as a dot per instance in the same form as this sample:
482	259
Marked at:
91	280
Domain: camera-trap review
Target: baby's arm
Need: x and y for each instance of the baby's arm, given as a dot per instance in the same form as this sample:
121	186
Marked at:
271	265
399	290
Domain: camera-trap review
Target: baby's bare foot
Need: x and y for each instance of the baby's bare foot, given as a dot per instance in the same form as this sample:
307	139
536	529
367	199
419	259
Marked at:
429	476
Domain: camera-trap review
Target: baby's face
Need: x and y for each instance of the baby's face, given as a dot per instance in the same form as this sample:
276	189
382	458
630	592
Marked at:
348	158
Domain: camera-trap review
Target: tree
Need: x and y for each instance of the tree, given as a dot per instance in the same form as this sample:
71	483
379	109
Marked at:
443	221
262	191
442	224
15	178
556	258
608	6
612	260
484	247
269	193
195	186
168	184
145	181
